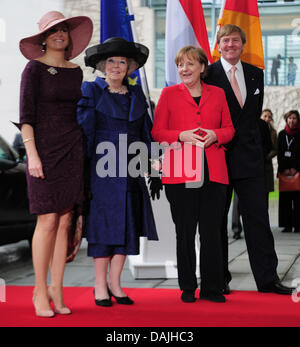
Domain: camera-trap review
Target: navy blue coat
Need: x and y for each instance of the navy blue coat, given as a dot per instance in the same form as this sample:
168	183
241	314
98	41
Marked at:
103	120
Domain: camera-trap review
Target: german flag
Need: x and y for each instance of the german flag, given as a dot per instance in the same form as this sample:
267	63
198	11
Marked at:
243	13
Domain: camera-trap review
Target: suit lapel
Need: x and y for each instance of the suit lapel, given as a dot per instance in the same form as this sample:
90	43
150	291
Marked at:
223	82
251	84
231	98
204	96
186	93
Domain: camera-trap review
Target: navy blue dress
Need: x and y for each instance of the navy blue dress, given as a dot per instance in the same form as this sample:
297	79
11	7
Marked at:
120	210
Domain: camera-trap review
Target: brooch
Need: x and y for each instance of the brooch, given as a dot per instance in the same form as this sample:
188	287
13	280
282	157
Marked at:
52	71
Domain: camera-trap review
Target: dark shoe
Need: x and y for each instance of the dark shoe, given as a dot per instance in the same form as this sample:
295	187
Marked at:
213	297
103	303
277	288
226	289
188	296
286	230
122	300
297	230
237	235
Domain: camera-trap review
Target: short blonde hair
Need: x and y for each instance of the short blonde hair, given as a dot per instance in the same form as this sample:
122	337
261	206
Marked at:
132	65
229	29
196	53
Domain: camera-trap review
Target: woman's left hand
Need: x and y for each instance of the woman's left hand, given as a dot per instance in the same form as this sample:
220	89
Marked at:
209	138
293	171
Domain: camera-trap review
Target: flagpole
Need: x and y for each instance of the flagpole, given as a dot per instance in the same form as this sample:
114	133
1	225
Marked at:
142	69
218	25
213	20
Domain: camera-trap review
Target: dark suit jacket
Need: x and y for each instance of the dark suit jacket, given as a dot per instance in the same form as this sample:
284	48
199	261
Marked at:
244	153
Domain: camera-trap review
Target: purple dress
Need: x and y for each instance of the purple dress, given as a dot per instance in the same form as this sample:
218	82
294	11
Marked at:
48	101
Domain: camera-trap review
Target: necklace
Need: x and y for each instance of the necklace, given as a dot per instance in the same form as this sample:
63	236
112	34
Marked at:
121	90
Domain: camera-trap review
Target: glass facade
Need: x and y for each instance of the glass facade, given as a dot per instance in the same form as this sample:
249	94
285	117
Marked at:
280	24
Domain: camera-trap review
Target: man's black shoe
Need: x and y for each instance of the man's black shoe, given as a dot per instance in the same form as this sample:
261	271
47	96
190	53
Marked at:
277	288
188	296
226	289
213	297
287	230
237	235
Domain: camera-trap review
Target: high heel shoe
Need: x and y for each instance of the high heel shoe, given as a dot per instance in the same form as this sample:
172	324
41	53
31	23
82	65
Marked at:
41	313
103	302
64	310
123	300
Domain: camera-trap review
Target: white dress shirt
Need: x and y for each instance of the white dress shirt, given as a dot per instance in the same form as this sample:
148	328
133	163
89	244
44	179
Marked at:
239	74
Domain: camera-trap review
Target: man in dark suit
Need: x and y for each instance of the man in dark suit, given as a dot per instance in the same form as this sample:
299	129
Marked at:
244	88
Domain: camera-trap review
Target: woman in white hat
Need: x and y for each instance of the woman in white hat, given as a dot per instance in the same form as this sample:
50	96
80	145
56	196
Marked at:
50	90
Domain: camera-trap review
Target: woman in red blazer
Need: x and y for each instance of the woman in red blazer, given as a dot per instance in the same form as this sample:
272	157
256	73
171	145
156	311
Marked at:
188	117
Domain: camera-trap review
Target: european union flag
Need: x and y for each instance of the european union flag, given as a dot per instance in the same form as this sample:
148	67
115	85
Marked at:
115	22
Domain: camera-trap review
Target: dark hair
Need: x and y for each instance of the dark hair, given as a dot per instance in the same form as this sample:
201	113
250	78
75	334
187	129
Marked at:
267	110
288	114
197	53
48	33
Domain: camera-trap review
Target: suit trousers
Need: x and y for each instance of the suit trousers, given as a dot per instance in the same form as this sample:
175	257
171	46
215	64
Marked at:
257	231
289	209
203	207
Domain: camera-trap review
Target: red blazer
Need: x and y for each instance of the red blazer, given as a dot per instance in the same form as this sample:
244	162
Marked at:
177	111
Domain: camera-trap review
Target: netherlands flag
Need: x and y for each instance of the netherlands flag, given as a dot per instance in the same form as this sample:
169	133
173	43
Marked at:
185	25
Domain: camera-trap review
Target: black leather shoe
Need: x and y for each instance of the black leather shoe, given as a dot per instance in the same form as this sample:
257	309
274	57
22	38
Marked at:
213	297
237	235
103	303
188	296
297	230
226	289
277	288
122	300
286	230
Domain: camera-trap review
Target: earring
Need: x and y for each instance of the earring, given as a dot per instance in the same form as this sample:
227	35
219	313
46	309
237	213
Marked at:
44	47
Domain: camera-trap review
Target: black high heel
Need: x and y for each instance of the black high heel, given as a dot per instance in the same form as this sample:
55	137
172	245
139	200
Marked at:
122	300
103	302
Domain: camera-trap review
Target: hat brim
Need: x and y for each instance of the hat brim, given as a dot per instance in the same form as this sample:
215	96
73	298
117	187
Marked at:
136	51
80	33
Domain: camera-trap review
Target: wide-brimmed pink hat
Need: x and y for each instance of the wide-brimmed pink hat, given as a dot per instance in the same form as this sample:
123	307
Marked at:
80	33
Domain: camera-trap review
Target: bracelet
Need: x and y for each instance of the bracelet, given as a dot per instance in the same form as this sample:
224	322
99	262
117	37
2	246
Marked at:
28	139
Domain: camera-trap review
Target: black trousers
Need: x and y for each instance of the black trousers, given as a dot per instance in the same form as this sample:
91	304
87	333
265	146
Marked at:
236	224
203	207
257	231
289	209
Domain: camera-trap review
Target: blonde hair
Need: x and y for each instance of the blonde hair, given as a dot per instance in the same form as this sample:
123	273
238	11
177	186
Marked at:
229	29
196	53
132	65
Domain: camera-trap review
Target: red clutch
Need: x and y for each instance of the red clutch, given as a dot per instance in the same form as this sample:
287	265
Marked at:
289	183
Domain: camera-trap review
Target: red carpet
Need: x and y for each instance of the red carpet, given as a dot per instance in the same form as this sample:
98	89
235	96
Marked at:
154	308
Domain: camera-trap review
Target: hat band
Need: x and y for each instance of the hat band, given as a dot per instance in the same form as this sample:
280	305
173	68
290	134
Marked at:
49	23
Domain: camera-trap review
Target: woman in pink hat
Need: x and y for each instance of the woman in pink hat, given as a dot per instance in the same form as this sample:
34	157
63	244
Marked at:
50	90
